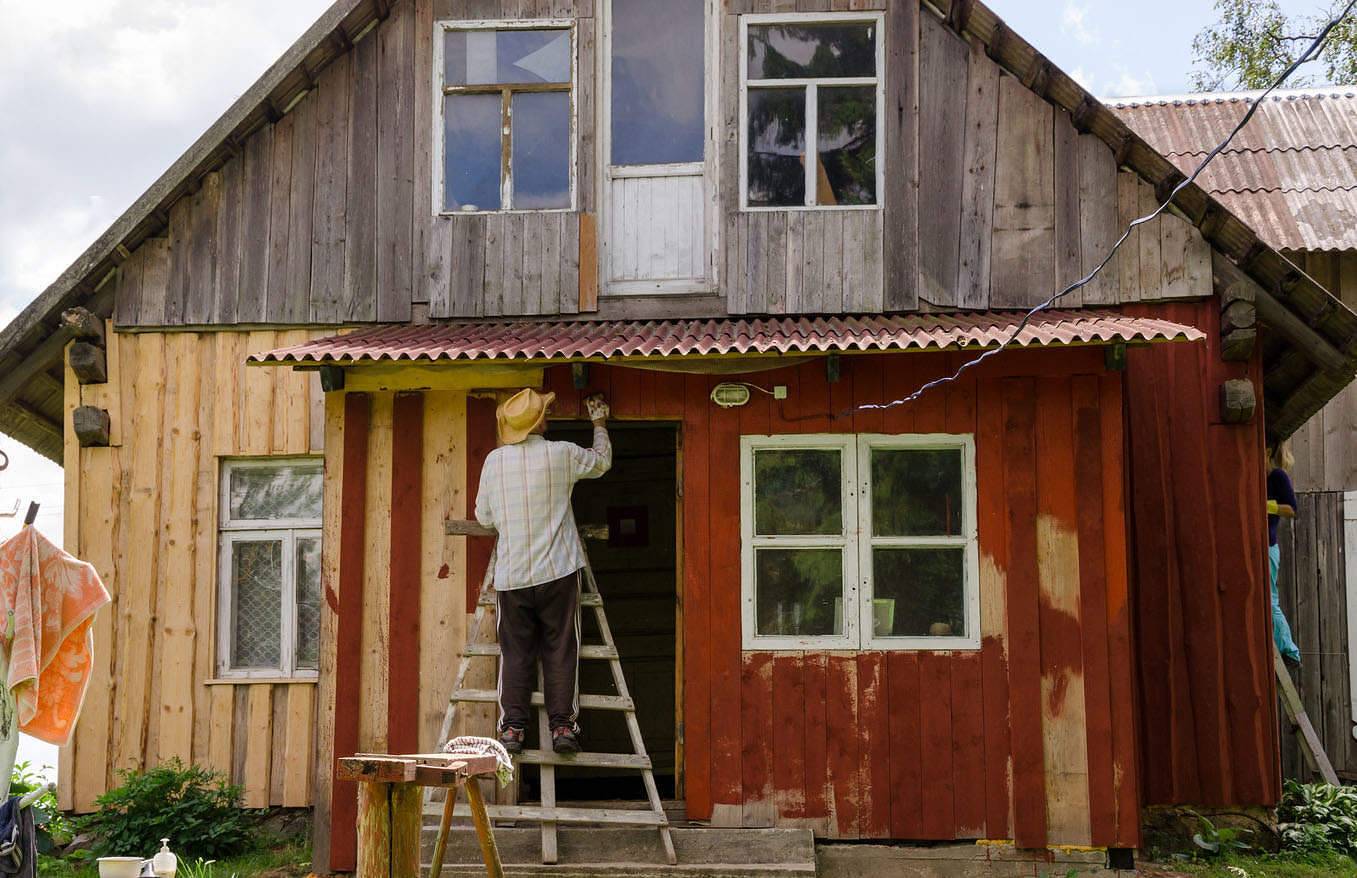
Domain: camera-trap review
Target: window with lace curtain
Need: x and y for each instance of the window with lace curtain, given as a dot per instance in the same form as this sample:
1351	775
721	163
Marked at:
268	605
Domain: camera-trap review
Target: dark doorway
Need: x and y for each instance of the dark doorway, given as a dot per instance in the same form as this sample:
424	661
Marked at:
637	573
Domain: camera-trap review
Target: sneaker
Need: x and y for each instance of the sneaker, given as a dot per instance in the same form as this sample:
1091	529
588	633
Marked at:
511	739
565	739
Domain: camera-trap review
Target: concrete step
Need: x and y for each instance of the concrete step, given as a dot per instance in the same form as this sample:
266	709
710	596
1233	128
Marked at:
702	853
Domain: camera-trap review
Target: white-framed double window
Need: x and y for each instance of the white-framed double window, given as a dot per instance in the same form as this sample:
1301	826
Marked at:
859	542
505	123
268	599
812	110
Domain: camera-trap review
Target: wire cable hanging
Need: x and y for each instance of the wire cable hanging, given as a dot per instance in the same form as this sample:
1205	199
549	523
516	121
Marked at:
1308	55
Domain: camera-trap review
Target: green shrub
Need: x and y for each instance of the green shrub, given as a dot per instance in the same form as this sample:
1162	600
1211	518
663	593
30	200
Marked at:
53	827
198	810
1317	818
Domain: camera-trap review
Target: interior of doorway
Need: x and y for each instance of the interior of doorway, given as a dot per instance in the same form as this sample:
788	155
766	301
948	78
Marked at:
637	572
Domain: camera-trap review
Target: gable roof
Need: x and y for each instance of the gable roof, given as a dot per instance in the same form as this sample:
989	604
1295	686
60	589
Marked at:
1291	174
31	346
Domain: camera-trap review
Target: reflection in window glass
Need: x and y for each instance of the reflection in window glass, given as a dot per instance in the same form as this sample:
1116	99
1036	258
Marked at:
916	492
308	604
506	57
798	493
541	150
284	492
918	592
257	588
798	592
473	151
812	50
777	147
847	145
658	51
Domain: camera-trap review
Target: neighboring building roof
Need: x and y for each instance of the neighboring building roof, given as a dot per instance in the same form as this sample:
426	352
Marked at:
1291	173
573	340
31	346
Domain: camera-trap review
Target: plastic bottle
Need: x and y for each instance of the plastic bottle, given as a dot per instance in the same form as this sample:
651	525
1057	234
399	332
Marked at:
165	863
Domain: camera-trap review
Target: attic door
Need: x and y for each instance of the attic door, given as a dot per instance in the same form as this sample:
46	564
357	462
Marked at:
658	213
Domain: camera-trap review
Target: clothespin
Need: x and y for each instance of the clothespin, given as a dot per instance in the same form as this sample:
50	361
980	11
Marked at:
32	515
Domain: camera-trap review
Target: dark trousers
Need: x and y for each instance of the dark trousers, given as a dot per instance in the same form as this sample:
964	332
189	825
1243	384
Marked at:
539	623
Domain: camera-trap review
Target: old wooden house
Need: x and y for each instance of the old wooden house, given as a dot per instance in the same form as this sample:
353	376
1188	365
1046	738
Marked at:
1027	605
1293	179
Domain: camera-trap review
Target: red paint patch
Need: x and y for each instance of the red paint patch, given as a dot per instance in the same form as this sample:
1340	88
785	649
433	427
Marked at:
1055	701
331	599
444	572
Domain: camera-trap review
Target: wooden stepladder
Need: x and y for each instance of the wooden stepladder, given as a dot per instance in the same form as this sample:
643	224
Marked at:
481	644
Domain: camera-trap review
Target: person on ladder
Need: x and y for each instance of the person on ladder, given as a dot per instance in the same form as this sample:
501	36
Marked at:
525	496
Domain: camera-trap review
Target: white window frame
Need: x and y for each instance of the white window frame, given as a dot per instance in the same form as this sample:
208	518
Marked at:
286	531
857	541
442	90
812	85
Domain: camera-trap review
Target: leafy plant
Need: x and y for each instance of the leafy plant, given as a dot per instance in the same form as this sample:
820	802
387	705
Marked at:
1318	817
198	810
1216	840
52	826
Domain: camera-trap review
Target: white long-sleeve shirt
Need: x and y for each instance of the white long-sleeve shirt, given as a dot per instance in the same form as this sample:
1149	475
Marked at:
525	495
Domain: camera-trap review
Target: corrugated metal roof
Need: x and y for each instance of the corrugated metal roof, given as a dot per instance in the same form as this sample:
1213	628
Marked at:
1291	174
669	338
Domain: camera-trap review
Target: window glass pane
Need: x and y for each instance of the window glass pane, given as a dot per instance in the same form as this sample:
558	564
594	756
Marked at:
798	492
473	152
308	604
916	492
488	57
918	593
847	147
256	589
805	50
798	591
657	102
777	147
284	492
541	150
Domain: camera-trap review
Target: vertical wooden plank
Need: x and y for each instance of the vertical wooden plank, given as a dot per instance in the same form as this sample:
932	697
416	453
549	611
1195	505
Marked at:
870	300
227	367
550	263
968	747
831	282
899	198
905	759
375	681
100	484
329	225
935	721
203	533
428	253
407	507
1022	259
1173	242
155	282
127	296
278	744
298	751
1098	229
349	631
1151	248
442	625
1068	245
70	541
587	96
756	259
181	247
572	275
359	302
788	736
1127	261
775	263
756	722
874	775
792	249
697	638
844	731
258	746
533	233
256	420
201	291
337	447
296	304
223	727
280	219
977	187
395	158
723	533
230	234
943	62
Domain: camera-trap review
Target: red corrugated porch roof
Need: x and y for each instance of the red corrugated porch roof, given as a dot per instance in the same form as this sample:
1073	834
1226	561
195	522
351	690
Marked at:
580	340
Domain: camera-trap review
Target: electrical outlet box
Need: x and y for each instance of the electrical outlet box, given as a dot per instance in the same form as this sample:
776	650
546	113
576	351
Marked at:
780	391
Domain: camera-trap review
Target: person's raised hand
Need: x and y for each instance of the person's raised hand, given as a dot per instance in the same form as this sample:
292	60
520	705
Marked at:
598	409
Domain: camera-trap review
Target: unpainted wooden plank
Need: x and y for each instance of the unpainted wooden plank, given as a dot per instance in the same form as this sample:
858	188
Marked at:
943	72
127	295
513	256
532	263
870	298
255	421
977	186
437	277
395	157
791	257
1022	261
201	290
296	304
298	751
831	263
1068	244
428	253
1151	247
258	739
203	531
553	225
775	264
230	233
812	263
756	262
359	302
586	99
180	246
492	295
1127	260
1098	229
901	229
1173	240
330	221
278	745
280	219
222	746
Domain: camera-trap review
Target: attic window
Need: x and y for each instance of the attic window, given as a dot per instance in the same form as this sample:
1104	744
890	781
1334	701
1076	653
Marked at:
507	117
812	80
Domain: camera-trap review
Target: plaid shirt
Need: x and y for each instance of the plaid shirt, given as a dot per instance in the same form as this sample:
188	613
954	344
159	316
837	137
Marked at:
525	495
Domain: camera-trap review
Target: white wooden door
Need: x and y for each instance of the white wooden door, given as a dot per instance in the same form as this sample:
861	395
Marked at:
657	198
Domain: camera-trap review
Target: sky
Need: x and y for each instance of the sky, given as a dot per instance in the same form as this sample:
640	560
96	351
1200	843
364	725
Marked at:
99	97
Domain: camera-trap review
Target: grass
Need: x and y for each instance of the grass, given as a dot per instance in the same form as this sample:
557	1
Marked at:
1283	865
289	861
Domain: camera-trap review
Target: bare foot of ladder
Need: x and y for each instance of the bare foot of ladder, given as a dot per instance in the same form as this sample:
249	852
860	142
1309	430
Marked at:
481	644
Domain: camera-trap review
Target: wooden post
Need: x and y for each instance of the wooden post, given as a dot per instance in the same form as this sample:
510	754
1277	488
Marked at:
407	805
374	831
484	834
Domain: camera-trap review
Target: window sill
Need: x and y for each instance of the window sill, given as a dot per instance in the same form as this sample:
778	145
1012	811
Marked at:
251	681
808	208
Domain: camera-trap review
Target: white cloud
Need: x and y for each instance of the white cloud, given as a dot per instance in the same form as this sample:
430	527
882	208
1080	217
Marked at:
1074	23
1130	85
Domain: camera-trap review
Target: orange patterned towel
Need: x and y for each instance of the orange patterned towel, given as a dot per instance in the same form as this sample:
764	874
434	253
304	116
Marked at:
53	597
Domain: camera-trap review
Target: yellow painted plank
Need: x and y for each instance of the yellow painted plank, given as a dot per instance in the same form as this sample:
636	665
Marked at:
446	376
372	731
298	749
258	746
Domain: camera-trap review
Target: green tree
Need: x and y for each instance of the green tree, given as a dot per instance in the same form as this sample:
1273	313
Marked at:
1253	41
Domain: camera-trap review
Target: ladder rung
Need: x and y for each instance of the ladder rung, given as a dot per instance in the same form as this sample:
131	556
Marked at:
587	702
589	651
587	599
564	815
593	760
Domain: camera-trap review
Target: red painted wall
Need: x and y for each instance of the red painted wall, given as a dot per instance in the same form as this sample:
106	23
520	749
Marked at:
1207	703
915	745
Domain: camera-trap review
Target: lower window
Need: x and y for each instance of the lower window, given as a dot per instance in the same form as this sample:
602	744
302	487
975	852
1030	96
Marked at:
859	542
269	594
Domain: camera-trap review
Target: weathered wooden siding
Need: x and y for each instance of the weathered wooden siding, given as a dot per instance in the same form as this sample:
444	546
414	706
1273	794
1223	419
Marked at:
1206	710
395	615
144	512
1032	736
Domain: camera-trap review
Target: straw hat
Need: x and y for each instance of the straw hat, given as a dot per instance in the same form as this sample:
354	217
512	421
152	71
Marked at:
519	415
